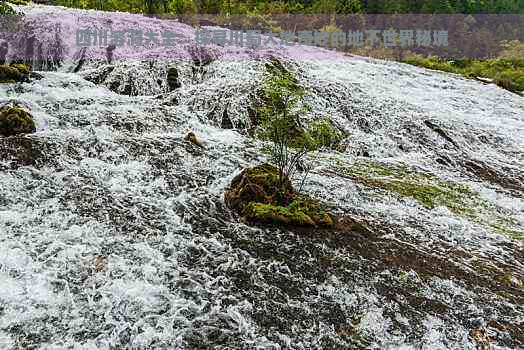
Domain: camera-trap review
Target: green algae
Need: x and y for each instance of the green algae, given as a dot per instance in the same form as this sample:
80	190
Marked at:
431	192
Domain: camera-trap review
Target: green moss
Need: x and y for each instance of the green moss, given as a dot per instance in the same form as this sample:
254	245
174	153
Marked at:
14	121
507	279
7	72
312	209
426	189
273	214
22	68
301	212
325	134
260	184
14	72
259	195
431	192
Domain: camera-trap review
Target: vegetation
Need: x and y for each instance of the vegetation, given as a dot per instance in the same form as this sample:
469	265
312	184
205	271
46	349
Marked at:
431	192
279	112
507	74
301	212
325	134
5	9
259	196
485	43
14	73
14	121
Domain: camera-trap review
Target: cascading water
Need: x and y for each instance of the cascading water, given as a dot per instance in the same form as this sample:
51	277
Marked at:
114	233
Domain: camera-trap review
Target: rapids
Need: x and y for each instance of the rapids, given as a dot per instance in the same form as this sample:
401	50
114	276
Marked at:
114	234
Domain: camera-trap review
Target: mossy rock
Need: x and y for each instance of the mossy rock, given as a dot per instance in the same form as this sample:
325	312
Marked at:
275	214
15	121
302	211
22	68
259	184
259	196
14	72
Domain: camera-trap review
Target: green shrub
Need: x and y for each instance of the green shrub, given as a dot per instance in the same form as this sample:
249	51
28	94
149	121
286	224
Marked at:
324	134
6	9
280	109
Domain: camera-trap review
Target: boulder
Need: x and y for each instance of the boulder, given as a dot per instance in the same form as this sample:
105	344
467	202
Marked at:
259	184
191	137
15	121
172	79
14	73
259	196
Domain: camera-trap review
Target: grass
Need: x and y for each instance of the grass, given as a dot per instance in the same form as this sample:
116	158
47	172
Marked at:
508	74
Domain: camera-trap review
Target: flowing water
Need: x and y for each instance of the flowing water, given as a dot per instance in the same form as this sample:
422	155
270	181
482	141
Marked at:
114	234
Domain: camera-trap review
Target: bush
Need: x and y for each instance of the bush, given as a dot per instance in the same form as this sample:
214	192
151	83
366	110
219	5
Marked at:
6	9
280	111
324	134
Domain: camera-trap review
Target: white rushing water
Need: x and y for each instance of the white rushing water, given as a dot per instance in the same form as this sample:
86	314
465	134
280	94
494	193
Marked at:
114	234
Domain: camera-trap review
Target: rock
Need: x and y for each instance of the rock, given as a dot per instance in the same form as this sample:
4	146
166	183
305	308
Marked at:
99	76
259	196
226	121
15	121
100	263
191	137
4	49
35	76
484	80
172	78
17	150
109	53
439	131
14	73
481	338
258	184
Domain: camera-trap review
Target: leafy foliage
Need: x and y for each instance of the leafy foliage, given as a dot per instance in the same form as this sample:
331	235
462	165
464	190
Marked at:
5	9
279	112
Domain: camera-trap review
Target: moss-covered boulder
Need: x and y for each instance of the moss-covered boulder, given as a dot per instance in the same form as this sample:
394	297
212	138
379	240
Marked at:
259	196
15	121
22	68
14	73
259	184
302	211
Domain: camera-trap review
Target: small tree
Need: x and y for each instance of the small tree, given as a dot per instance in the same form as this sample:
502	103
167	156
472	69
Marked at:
280	113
